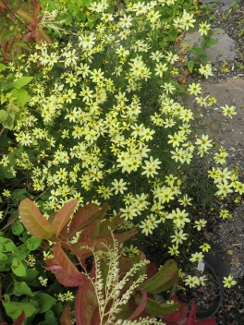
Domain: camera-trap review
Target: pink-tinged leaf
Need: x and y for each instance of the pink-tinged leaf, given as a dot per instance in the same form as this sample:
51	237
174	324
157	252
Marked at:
41	35
37	10
65	318
25	15
125	235
66	280
151	269
27	36
87	233
126	263
69	275
86	216
33	220
80	249
192	316
111	223
141	307
20	319
98	243
53	268
62	217
96	320
177	316
85	303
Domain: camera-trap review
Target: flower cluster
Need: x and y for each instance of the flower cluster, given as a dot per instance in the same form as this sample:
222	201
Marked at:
104	122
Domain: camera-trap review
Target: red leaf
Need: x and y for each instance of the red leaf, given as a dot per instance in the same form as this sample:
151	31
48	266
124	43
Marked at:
82	216
65	319
87	233
192	316
141	307
151	269
33	220
177	316
69	275
96	317
20	319
62	217
37	10
85	303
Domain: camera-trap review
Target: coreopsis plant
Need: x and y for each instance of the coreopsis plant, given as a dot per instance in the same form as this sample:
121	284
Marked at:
105	121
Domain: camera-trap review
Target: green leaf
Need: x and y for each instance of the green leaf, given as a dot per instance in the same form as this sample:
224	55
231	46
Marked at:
17	227
21	288
156	309
163	279
22	252
18	267
50	318
20	95
6	245
191	64
21	82
2	67
8	123
19	194
62	217
33	243
21	44
14	309
45	302
3	115
33	220
3	257
30	276
197	50
209	42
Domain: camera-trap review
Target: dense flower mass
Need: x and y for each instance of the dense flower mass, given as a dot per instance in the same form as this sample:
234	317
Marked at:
104	122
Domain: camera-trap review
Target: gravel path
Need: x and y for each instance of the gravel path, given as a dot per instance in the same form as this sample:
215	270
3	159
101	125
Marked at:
227	85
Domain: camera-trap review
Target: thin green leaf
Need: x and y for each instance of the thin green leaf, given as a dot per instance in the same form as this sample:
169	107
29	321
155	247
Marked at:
156	309
163	279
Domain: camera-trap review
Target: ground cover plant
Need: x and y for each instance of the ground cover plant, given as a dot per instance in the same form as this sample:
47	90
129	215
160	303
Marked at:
97	116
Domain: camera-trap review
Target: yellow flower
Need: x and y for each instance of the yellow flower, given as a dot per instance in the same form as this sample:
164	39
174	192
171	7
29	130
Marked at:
6	193
204	28
229	281
205	247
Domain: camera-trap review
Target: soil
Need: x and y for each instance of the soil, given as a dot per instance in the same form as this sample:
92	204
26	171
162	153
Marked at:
227	235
